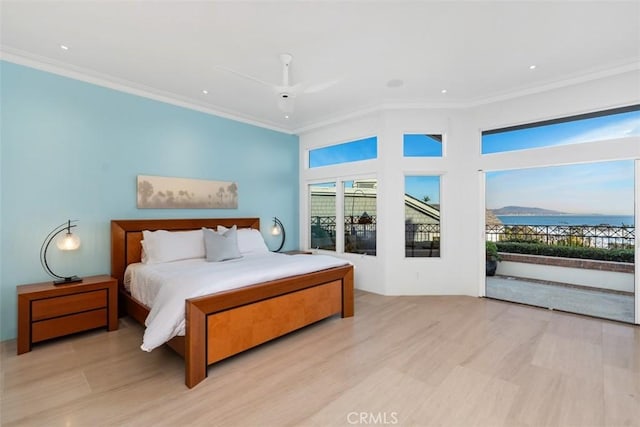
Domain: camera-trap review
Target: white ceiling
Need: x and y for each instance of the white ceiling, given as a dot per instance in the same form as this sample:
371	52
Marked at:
478	51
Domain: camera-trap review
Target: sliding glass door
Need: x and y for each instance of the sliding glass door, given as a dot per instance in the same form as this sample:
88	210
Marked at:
565	237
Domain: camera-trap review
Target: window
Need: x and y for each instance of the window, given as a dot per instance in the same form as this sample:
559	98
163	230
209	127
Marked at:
416	145
600	126
422	216
363	149
360	208
323	215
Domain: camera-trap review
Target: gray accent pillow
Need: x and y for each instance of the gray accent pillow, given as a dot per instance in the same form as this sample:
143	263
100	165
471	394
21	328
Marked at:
221	246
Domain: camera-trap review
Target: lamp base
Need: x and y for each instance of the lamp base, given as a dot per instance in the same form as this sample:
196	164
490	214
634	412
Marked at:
67	280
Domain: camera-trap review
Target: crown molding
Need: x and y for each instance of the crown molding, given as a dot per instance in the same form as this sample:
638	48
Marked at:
94	77
100	79
622	68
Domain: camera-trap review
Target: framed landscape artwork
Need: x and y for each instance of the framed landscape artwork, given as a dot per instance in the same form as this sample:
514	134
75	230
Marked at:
158	192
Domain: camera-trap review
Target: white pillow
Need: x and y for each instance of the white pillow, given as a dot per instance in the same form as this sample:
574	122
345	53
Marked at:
250	241
165	246
143	253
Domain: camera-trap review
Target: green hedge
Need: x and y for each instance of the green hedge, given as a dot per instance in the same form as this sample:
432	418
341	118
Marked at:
619	255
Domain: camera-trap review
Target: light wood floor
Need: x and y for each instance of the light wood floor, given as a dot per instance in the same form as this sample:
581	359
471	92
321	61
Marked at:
446	361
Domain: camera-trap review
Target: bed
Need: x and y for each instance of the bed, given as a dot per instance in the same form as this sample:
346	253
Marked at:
226	323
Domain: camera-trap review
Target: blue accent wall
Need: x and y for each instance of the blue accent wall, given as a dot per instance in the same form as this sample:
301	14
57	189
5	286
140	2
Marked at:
73	150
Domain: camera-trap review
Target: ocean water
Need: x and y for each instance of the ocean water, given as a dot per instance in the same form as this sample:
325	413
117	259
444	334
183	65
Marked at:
614	220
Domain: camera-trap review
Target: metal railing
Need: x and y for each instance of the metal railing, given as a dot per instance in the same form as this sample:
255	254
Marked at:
360	234
417	235
596	236
422	232
323	232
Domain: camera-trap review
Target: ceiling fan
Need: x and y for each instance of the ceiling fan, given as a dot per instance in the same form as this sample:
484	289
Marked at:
285	92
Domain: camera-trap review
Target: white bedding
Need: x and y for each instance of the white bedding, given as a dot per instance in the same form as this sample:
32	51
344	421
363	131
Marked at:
165	287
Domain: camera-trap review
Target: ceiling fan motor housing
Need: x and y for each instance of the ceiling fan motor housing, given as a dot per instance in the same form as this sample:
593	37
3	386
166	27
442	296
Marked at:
286	102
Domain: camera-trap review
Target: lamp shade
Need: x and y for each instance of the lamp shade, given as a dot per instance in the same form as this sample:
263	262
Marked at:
68	242
275	230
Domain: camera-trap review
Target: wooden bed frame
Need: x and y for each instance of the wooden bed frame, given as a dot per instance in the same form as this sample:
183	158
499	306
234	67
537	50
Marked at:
226	323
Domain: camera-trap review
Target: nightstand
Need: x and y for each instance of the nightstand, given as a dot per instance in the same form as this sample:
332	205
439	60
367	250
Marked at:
46	311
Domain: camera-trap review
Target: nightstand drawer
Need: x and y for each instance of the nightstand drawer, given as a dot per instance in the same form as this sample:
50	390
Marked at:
68	304
60	326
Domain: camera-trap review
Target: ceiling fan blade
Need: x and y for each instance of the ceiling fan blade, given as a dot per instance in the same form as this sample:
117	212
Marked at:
244	76
321	86
286	93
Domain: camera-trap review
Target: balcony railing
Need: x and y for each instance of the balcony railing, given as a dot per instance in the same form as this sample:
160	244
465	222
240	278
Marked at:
360	235
598	236
422	240
427	236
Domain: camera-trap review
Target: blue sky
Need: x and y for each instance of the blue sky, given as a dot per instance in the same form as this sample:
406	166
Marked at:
362	149
604	188
611	126
414	145
574	132
420	186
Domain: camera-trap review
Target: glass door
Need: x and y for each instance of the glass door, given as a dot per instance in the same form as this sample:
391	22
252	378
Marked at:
563	237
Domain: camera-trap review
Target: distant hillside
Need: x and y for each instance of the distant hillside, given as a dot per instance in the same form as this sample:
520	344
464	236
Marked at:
523	210
491	218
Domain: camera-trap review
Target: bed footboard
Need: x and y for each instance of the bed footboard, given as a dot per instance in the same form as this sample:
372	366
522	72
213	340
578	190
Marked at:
218	329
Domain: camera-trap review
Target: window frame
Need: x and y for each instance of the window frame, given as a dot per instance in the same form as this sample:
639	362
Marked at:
308	221
554	121
340	218
333	144
441	175
352	178
443	143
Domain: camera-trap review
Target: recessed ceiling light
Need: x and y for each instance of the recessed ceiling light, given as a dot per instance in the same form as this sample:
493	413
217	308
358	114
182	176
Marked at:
394	83
443	91
205	91
64	47
286	116
532	67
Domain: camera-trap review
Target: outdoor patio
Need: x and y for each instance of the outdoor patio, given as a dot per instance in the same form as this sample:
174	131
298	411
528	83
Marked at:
608	305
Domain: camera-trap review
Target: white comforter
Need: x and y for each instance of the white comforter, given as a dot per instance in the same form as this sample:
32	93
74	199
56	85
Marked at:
165	287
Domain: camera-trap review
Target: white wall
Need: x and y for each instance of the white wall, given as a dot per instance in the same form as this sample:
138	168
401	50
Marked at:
460	270
600	279
458	262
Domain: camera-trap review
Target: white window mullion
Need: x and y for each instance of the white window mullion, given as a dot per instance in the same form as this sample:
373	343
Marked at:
340	216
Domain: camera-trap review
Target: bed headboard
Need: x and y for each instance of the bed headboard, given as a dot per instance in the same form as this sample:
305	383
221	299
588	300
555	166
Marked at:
126	235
